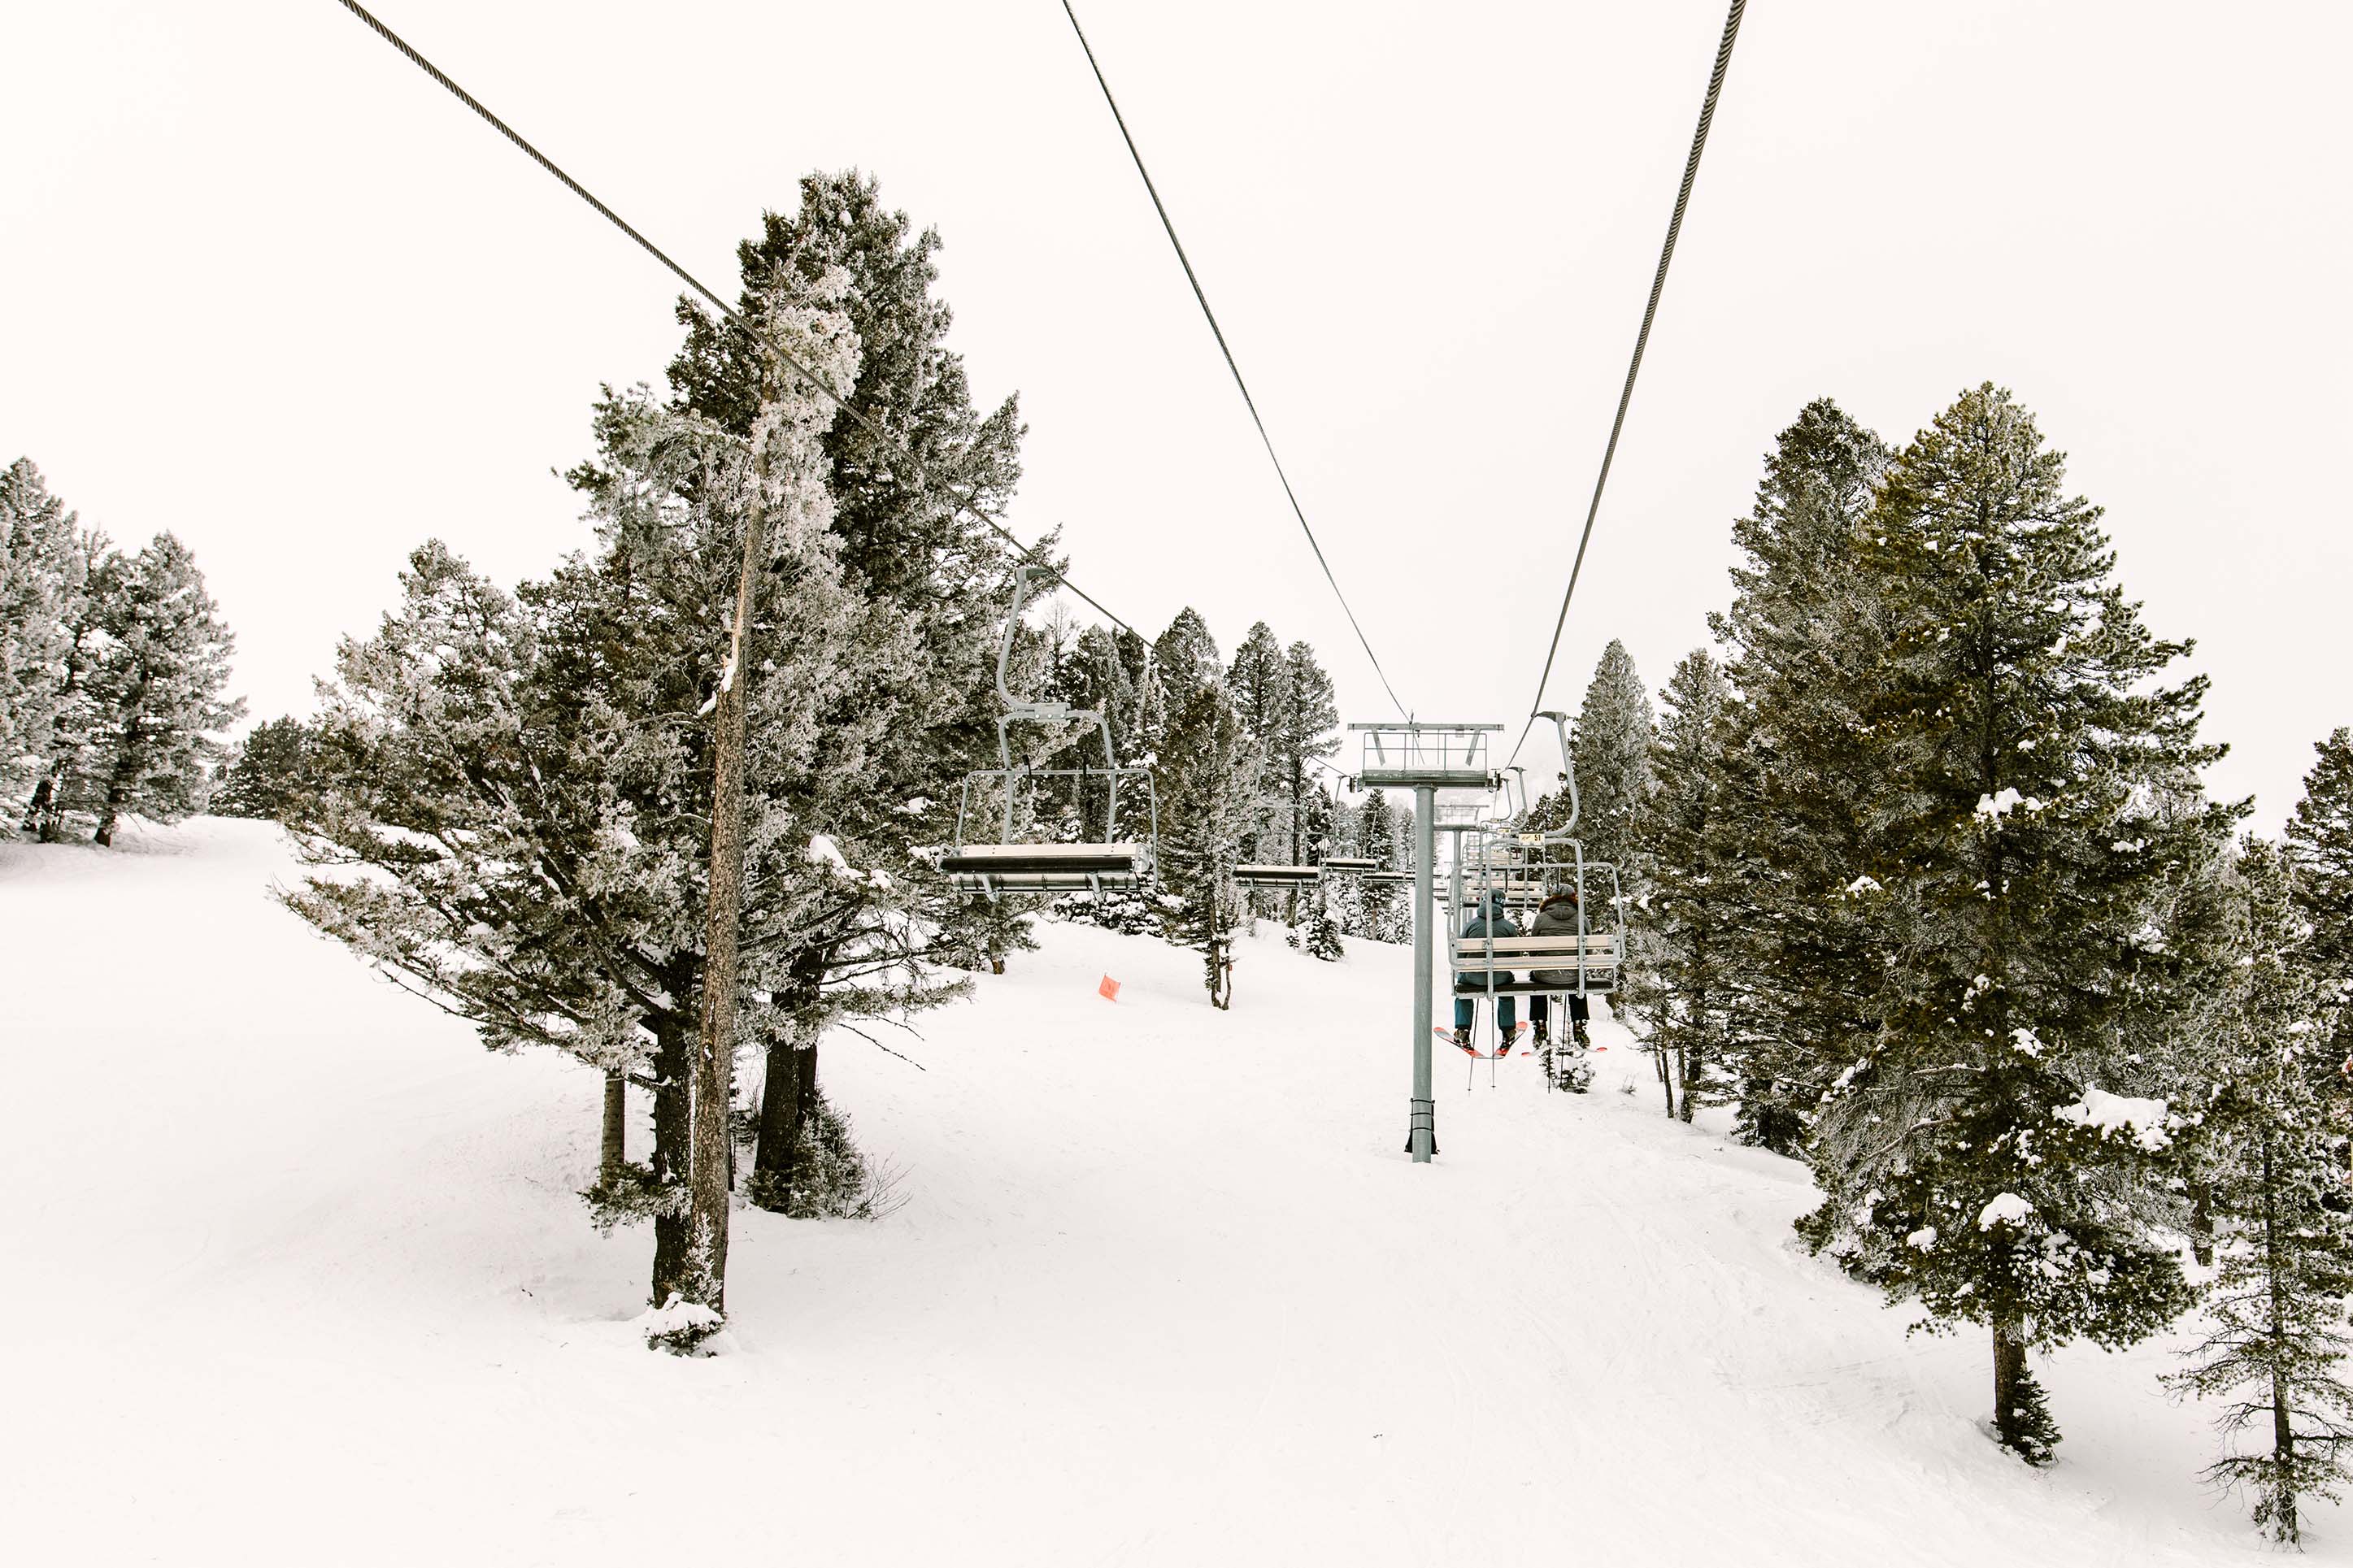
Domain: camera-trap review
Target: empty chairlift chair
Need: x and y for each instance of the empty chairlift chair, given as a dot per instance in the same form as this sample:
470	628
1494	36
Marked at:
1259	875
1007	866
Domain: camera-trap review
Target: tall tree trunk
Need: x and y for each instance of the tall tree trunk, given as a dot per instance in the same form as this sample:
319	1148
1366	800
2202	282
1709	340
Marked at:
2283	1465
42	819
2201	1224
784	1111
710	1175
673	1138
2009	1381
614	1150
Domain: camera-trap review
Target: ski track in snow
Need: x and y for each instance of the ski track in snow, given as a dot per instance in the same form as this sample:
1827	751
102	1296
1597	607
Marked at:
301	1277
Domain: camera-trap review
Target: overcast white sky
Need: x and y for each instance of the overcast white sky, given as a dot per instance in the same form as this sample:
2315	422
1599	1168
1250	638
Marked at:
264	285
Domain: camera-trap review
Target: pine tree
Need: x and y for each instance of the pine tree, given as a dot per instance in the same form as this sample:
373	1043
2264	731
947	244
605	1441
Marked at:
2023	716
523	781
1207	805
2320	843
1384	909
908	540
1184	660
2278	1333
1615	733
1807	641
156	692
78	720
269	772
41	580
1260	682
1690	987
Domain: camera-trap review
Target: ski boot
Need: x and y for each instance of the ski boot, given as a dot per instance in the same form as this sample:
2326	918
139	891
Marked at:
1583	1037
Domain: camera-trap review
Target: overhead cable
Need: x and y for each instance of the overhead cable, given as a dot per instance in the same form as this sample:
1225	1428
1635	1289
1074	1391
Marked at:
1218	332
967	501
1642	341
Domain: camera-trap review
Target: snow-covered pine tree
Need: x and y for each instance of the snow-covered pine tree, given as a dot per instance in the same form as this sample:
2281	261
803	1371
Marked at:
1210	781
1806	643
1260	682
2320	843
907	539
155	690
1382	908
2276	1336
1614	735
1689	988
40	579
1184	660
267	772
522	782
77	721
2024	714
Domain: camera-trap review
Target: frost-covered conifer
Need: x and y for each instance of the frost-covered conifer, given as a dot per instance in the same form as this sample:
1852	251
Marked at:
1688	987
77	722
1614	736
522	782
1385	910
1806	641
2276	1336
2321	842
267	773
1211	778
41	578
1971	1153
912	539
154	693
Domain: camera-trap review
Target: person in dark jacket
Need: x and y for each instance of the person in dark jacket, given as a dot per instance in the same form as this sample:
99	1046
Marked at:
1490	921
1556	916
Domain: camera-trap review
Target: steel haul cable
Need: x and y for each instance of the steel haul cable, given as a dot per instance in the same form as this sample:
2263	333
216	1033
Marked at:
968	501
1642	341
1218	332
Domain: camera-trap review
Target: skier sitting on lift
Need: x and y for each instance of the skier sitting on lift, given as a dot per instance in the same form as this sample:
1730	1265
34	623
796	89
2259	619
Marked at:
1557	917
1489	921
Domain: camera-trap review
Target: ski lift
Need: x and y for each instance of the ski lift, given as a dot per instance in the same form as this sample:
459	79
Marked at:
1007	866
1523	870
1272	876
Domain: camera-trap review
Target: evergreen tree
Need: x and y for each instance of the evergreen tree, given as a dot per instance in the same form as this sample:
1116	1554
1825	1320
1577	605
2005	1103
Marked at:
1808	643
154	693
1689	987
522	782
2321	842
2023	715
271	771
41	580
2277	1333
1184	660
1385	911
1614	736
907	539
1207	805
78	719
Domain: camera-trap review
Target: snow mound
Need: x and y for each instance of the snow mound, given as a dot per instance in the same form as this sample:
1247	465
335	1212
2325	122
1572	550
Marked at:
2114	1114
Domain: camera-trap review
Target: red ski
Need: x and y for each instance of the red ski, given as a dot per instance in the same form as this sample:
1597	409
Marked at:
1500	1051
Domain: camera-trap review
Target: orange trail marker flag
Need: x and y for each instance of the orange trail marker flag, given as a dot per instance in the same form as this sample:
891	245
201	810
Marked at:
1109	989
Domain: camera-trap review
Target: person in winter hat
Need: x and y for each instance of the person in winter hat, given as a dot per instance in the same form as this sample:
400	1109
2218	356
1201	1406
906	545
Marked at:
1558	915
1489	921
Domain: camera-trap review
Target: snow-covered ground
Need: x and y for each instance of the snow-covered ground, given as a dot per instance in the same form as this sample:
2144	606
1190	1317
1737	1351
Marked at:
298	1276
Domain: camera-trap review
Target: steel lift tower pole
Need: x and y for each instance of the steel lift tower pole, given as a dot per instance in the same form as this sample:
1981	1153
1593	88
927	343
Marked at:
1424	759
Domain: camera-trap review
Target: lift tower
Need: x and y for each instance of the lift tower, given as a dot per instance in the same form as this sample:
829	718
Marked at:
1424	759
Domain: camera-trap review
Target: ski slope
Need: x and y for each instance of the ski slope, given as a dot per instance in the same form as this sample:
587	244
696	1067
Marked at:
300	1278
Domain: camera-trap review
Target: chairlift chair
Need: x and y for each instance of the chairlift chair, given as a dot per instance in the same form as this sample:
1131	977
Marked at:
1008	866
1524	868
1273	876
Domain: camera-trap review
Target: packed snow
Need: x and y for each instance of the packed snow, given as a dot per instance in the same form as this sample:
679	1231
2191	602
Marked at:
301	1279
2113	1113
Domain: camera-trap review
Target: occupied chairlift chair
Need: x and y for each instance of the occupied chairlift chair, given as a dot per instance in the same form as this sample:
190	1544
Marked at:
1008	867
1521	866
